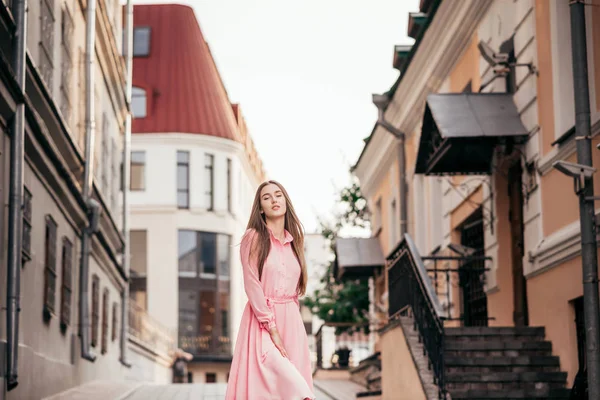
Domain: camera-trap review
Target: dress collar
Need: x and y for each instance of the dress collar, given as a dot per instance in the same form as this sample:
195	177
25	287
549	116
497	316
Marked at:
288	236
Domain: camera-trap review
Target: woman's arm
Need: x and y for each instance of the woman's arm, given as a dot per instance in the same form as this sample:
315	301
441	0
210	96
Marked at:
254	291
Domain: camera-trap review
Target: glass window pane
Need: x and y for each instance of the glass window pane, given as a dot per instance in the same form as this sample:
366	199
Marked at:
208	250
182	177
138	157
137	177
138	102
183	156
223	255
141	41
138	252
224	303
183	199
207	312
187	253
188	313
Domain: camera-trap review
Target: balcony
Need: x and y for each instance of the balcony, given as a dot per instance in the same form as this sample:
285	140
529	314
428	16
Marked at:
149	333
215	348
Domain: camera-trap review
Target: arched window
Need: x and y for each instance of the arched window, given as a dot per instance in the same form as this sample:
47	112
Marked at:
138	102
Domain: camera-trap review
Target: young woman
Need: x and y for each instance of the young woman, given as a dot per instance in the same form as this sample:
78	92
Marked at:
271	359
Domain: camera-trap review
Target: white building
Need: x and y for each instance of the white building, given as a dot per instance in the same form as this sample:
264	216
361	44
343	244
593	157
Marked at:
193	176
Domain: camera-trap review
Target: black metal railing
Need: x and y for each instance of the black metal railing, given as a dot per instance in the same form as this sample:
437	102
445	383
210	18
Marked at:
465	283
206	345
341	350
410	290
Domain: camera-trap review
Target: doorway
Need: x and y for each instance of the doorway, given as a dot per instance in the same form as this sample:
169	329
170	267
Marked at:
515	212
472	272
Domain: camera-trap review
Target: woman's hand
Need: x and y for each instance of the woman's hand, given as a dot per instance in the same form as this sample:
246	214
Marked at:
277	341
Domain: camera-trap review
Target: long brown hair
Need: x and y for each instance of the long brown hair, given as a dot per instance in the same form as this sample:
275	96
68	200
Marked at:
262	244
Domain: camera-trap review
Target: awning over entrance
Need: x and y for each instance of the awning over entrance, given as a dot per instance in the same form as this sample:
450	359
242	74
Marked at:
357	257
460	131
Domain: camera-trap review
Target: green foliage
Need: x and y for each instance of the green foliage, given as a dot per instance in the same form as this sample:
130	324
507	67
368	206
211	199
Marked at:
347	301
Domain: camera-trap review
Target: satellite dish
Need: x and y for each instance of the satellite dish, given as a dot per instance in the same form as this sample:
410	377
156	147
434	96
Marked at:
490	56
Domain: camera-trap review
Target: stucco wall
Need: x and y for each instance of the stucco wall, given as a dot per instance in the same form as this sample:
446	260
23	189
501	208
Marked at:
399	376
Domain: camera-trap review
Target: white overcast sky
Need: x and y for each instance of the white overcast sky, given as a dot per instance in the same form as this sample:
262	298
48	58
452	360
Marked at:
303	72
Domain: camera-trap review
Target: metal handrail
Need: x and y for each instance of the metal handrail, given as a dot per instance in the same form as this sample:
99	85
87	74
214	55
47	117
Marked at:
410	288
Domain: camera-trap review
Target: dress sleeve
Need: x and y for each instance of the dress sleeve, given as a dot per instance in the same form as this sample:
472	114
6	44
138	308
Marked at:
254	291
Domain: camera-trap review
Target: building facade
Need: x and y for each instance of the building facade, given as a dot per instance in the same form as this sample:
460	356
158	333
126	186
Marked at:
194	171
497	197
56	300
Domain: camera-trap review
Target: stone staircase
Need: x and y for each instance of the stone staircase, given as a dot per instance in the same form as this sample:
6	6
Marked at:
368	374
502	363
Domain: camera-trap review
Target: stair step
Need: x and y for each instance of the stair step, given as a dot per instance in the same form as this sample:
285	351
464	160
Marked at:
465	361
492	345
507	377
495	331
473	394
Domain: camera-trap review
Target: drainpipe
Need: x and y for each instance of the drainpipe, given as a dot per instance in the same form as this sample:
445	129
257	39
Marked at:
589	256
15	211
381	102
91	205
126	172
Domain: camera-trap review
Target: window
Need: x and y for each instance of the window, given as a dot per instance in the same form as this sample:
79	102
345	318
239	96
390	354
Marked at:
223	243
183	179
50	268
137	283
224	306
393	224
376	221
211	377
138	170
141	41
46	64
229	189
208	253
105	303
27	210
562	67
115	321
203	293
66	70
209	180
95	309
67	284
138	102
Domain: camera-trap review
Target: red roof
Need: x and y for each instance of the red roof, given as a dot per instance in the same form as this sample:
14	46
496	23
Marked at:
184	90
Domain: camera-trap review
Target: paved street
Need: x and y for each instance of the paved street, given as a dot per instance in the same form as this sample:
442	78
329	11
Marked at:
145	391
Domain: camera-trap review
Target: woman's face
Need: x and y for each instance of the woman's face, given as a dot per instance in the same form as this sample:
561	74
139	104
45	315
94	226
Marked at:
272	201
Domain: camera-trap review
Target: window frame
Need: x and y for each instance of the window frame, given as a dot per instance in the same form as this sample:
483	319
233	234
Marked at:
142	164
209	170
66	295
105	303
50	273
27	225
229	186
138	93
136	51
115	321
95	309
186	191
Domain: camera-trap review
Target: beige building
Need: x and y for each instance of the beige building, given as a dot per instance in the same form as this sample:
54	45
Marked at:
480	143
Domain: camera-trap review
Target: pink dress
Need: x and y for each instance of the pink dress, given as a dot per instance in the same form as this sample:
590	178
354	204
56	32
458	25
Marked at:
258	370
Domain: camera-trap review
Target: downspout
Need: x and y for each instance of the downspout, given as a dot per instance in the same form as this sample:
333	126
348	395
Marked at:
15	211
402	190
128	53
91	205
589	255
